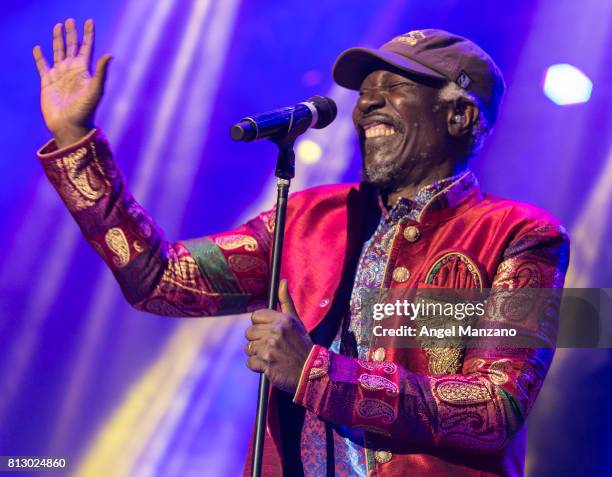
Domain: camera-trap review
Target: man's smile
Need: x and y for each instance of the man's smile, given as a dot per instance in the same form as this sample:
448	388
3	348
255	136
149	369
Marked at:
378	130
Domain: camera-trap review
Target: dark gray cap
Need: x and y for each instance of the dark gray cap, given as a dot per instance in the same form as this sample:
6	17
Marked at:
429	53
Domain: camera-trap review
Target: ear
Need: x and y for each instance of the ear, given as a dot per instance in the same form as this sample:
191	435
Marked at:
461	117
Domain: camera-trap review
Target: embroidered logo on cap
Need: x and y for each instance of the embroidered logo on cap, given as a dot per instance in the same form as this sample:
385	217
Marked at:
411	38
463	80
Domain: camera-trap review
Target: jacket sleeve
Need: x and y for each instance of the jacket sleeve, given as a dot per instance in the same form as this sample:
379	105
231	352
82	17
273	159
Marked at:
216	275
479	408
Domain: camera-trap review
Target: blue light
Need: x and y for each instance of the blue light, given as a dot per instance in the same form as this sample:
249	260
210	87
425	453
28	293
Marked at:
565	84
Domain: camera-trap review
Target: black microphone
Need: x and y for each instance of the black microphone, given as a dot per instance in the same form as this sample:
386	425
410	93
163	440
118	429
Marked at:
316	112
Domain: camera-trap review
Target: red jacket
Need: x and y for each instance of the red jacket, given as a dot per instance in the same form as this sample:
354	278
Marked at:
426	412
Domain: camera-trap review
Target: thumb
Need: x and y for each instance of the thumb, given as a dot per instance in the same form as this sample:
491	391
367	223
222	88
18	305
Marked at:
100	74
285	300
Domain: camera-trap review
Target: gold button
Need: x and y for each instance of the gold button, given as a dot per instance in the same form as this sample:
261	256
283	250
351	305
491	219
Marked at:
411	233
379	354
401	274
383	456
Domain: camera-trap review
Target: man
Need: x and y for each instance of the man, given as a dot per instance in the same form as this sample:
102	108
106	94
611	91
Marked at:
341	403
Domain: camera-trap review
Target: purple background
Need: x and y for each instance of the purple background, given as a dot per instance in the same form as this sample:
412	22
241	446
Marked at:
119	392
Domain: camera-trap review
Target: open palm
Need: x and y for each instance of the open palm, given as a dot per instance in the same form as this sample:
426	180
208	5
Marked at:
69	93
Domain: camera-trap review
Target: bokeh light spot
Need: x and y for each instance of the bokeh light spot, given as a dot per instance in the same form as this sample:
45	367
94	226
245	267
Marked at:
565	84
308	152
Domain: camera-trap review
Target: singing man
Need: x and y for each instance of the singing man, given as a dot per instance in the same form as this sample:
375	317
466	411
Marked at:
342	404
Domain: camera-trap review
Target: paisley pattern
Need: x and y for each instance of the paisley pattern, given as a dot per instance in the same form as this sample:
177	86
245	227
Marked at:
372	382
320	365
247	264
469	411
385	366
80	178
458	391
116	241
376	409
234	241
444	360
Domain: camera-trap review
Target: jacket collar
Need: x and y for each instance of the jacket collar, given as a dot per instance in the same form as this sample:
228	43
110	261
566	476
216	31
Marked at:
440	201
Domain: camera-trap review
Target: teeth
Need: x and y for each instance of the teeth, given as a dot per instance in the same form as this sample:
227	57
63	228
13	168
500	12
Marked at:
379	130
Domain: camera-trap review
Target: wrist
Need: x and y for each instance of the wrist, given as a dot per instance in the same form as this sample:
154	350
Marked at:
71	135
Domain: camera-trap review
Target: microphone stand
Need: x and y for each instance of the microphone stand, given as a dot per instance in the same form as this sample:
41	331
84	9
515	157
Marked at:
285	171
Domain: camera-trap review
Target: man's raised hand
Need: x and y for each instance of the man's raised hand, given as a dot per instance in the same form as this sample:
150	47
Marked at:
69	93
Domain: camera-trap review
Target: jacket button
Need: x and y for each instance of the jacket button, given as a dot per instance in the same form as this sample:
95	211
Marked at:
324	303
383	456
401	274
379	354
411	233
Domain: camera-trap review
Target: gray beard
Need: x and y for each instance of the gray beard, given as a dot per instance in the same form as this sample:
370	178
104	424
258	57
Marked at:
386	176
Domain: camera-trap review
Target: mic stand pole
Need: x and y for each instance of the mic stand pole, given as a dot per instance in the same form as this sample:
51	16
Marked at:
285	171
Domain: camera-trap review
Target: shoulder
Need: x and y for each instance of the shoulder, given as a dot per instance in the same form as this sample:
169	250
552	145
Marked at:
534	231
523	214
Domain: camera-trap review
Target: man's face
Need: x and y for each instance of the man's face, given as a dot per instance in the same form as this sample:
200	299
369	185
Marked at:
401	127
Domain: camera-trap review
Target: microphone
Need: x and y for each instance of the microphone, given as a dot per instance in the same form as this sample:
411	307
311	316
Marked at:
316	112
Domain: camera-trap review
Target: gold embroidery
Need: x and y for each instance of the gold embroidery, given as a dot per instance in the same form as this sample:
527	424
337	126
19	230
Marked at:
246	263
85	184
444	360
116	241
232	242
462	393
498	371
320	365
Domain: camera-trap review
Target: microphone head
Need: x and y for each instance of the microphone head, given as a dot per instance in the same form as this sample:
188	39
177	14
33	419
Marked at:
327	110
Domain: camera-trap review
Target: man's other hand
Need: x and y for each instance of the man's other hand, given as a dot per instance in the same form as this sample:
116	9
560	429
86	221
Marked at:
278	343
69	92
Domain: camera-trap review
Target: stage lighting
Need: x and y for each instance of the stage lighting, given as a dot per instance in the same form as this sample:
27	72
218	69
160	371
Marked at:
308	151
565	84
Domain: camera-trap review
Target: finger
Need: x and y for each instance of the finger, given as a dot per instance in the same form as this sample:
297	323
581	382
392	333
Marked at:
251	348
262	317
257	332
41	63
59	51
256	364
88	40
286	302
71	38
99	77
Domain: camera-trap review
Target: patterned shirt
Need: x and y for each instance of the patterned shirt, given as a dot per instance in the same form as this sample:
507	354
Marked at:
347	451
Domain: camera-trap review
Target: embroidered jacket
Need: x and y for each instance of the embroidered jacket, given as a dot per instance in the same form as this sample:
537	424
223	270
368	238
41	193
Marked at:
425	412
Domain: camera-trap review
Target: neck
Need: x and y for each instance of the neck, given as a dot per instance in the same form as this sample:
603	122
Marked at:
413	185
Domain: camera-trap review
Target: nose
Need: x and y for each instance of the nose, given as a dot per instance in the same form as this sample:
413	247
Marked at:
370	101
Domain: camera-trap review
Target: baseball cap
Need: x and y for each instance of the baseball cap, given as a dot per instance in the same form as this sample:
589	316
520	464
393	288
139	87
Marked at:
429	53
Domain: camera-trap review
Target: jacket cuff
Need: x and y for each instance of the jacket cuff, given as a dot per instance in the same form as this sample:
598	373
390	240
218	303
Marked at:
84	173
327	383
314	378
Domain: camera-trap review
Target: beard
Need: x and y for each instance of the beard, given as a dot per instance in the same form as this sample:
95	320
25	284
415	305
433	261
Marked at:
387	174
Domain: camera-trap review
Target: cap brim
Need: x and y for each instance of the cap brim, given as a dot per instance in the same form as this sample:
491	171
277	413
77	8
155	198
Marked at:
354	64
